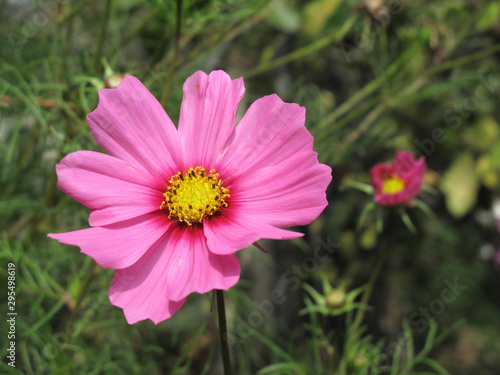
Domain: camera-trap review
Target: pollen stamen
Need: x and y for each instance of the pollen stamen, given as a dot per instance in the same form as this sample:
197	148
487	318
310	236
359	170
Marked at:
194	196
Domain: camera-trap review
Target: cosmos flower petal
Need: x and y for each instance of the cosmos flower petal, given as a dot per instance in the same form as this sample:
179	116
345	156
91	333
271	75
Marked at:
271	168
141	289
130	124
118	245
141	299
269	133
191	267
115	214
100	181
378	172
409	169
283	198
234	231
207	116
176	266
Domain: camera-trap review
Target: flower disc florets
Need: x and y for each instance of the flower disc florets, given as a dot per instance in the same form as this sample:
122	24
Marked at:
194	196
392	185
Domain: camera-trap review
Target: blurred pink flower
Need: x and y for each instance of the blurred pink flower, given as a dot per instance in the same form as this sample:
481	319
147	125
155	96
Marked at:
399	182
169	207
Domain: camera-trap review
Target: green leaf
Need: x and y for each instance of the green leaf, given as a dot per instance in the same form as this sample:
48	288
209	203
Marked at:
285	17
368	238
487	172
483	135
283	368
361	186
424	208
407	222
366	210
489	17
435	366
460	185
488	167
317	13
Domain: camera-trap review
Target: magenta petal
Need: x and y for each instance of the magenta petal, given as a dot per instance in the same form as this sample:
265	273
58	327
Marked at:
207	116
270	132
141	289
385	199
141	299
289	194
405	164
191	267
111	215
176	266
102	182
271	169
379	173
130	124
118	245
234	231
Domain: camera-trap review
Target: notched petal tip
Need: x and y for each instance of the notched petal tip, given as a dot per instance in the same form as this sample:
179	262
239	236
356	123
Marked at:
196	83
207	117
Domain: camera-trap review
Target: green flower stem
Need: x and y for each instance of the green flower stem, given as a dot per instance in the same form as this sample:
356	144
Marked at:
450	64
353	102
135	31
50	188
233	30
73	11
363	127
173	65
224	347
301	52
88	271
352	333
102	34
315	344
64	65
366	295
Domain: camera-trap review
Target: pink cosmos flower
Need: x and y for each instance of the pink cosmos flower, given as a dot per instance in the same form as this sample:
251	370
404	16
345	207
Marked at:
399	182
170	206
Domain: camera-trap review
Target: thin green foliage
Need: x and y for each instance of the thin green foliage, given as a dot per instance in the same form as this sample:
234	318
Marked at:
374	78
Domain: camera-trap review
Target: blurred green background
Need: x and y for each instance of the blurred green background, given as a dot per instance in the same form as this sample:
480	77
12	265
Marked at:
375	76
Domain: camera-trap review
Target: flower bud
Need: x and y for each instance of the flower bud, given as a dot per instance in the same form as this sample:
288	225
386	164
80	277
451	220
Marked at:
335	298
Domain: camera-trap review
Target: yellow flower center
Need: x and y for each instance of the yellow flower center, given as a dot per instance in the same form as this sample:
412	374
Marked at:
194	196
393	185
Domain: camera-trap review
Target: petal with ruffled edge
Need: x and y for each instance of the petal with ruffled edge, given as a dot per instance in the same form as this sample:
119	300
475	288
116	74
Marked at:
207	115
270	131
130	124
285	199
407	167
104	183
118	245
235	230
379	173
177	265
411	171
139	302
272	171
